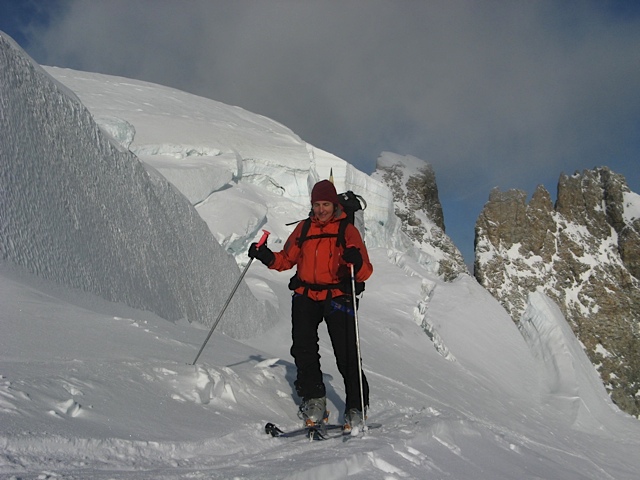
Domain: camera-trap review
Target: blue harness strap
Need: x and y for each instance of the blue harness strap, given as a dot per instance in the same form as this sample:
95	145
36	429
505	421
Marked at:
339	307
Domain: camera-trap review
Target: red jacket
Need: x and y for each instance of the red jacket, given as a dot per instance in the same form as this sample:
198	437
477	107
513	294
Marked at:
319	260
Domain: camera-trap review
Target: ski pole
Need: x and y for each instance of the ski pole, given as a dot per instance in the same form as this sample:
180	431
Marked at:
355	319
215	324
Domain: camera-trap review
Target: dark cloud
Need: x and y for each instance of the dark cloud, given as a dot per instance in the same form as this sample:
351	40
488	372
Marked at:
491	93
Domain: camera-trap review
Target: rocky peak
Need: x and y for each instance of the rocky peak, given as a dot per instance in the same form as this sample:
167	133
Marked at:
416	202
583	253
585	199
414	188
503	218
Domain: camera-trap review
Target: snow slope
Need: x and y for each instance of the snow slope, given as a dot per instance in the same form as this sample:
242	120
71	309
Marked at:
90	389
100	390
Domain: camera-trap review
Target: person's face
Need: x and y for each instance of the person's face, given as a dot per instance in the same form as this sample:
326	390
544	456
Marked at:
323	210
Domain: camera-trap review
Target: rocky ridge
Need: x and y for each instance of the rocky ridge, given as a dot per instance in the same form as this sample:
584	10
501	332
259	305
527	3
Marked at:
584	253
415	195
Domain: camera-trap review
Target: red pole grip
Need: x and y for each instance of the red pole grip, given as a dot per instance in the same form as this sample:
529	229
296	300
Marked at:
263	239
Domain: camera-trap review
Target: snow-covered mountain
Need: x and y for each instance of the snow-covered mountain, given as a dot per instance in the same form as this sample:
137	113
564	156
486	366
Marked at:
584	253
91	387
415	194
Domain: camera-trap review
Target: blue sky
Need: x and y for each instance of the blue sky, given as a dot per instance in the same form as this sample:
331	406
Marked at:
492	93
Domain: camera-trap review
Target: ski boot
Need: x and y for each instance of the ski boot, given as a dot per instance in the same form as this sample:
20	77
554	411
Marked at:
353	420
314	411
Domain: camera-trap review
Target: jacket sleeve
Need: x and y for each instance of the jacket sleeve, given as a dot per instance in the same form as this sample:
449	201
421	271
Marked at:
353	239
288	257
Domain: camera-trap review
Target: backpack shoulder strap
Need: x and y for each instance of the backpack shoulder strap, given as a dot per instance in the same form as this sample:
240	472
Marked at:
341	232
340	236
303	233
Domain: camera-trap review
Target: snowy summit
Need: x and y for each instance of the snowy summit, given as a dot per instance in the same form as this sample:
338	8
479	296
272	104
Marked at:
126	211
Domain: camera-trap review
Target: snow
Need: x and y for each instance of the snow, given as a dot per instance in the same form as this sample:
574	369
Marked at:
191	139
91	387
631	207
568	376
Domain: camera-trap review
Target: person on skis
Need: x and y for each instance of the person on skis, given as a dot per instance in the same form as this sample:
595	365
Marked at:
322	291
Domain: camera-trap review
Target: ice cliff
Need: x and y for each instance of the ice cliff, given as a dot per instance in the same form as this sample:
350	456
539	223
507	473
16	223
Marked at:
225	148
79	208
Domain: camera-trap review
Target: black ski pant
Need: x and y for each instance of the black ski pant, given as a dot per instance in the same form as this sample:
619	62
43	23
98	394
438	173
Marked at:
338	313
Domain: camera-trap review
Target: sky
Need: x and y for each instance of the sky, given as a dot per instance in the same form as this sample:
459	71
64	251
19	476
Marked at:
506	94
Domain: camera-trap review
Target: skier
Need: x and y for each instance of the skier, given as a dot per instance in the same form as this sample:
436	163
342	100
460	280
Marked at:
322	290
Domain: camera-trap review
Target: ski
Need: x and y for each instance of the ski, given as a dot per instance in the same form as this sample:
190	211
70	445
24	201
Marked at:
312	433
315	433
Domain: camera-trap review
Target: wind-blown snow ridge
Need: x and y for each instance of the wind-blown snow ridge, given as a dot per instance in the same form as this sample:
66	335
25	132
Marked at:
421	310
567	375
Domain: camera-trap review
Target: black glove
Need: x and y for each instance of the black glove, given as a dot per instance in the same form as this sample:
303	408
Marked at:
264	254
353	256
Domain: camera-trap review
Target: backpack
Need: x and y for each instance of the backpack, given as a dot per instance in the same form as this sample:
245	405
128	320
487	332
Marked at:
353	205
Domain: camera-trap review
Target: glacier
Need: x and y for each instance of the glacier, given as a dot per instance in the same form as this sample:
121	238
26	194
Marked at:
219	153
80	209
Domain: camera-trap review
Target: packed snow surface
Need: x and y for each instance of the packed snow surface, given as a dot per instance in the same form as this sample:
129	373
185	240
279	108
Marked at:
92	389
